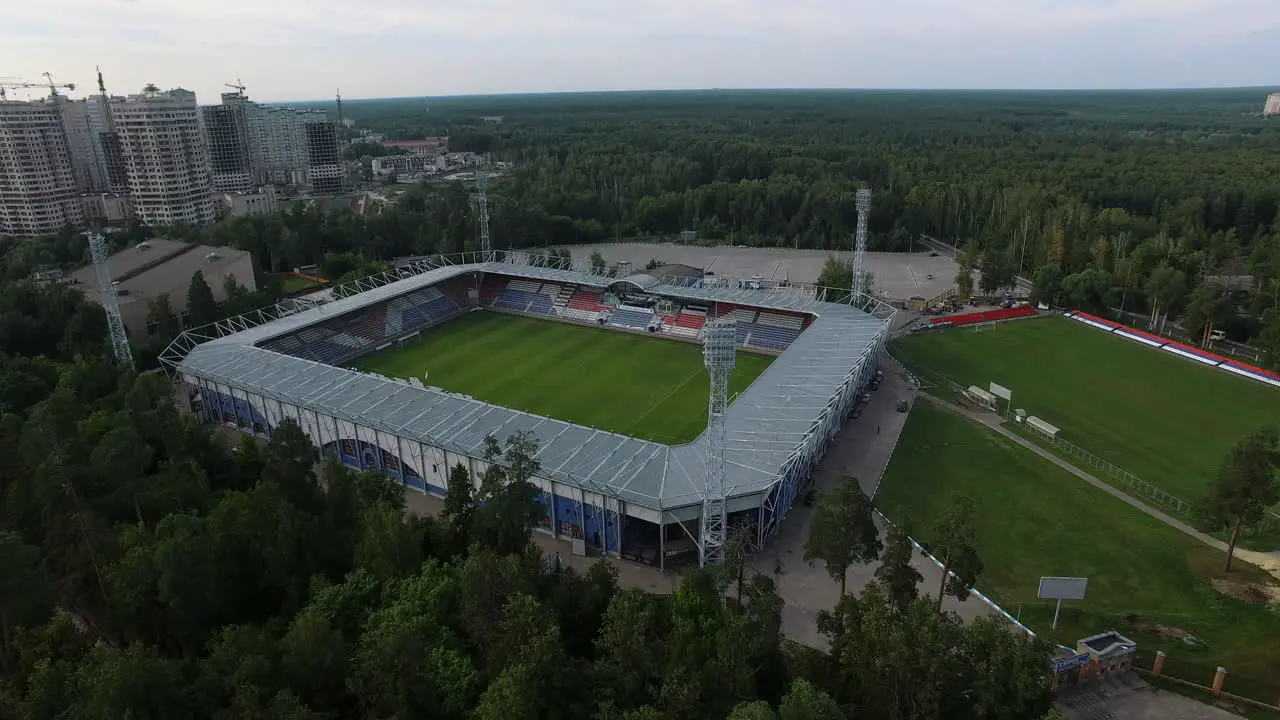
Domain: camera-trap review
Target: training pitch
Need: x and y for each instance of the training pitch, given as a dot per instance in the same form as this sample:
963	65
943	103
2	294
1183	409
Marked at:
645	387
1167	420
1032	518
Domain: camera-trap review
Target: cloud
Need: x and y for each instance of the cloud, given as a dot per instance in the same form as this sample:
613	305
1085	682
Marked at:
291	49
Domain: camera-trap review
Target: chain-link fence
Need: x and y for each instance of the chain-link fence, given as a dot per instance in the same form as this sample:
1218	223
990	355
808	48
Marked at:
940	385
1119	474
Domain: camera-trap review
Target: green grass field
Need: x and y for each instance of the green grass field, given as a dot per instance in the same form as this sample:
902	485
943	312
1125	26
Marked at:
1034	519
291	284
1167	420
645	387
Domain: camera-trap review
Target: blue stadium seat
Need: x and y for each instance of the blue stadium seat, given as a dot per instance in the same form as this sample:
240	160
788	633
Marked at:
542	304
773	337
518	300
442	308
630	319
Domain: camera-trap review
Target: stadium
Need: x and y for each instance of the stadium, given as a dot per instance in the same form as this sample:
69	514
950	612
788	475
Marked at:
618	494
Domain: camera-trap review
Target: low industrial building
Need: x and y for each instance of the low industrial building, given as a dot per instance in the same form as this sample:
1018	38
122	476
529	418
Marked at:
159	267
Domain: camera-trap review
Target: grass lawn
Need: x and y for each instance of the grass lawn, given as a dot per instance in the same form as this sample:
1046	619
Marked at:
1167	420
646	387
290	284
1034	519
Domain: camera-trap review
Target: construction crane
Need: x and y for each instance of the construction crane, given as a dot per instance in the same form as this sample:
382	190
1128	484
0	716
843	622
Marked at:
28	85
53	89
238	86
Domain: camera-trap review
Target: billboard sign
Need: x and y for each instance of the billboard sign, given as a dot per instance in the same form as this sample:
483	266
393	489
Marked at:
1068	663
1062	588
1001	391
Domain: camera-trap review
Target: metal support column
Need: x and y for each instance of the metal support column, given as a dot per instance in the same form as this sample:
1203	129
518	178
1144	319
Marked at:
719	354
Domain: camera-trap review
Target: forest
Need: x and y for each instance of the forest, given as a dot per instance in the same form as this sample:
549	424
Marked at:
1157	203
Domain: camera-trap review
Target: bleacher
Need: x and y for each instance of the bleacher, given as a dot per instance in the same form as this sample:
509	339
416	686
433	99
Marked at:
347	336
772	337
544	300
631	317
689	322
985	316
584	305
562	298
744	315
489	290
517	295
775	319
339	339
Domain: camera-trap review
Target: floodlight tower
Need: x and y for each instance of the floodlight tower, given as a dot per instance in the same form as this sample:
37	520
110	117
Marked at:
482	211
719	354
860	244
115	324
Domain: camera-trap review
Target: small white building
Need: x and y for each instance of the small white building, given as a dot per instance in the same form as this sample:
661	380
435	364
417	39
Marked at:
262	201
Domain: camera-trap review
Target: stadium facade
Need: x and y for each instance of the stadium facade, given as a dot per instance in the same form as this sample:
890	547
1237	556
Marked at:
621	495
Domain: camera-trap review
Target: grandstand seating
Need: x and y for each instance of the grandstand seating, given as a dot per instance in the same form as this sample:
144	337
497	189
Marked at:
776	319
772	337
562	297
985	316
541	303
457	291
584	305
689	322
512	299
737	312
631	317
338	339
489	290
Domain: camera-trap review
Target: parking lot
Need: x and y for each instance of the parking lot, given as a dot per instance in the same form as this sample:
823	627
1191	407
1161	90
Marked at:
899	275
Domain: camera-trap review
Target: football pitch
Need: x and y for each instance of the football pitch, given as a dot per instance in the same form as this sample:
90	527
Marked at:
1032	519
645	387
1167	420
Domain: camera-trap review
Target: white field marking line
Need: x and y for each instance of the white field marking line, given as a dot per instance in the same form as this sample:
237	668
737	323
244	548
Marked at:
914	279
667	397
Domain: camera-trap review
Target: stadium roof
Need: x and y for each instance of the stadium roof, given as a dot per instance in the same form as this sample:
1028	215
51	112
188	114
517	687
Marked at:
765	424
642	281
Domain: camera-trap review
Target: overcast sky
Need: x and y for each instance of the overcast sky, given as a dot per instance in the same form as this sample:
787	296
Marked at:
305	49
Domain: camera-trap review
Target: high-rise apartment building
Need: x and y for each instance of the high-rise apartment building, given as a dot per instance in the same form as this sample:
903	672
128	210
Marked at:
167	164
39	192
324	169
1273	105
252	144
226	129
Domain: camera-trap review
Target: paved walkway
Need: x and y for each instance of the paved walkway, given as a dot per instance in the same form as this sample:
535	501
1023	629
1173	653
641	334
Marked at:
993	422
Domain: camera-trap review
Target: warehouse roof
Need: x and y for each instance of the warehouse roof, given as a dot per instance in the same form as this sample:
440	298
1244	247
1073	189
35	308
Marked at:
764	425
158	266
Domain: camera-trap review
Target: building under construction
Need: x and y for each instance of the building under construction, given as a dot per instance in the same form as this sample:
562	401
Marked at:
167	162
39	194
251	145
